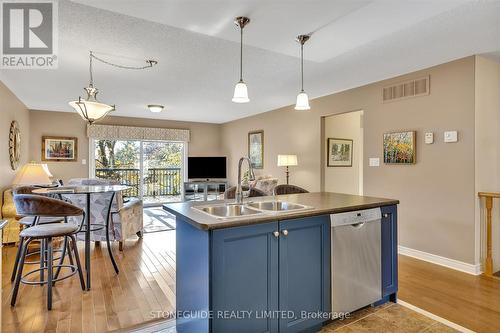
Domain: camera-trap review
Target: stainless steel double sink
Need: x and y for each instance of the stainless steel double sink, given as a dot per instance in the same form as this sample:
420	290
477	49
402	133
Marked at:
232	210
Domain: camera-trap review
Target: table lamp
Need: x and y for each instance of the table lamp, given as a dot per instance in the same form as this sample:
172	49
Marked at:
33	174
287	161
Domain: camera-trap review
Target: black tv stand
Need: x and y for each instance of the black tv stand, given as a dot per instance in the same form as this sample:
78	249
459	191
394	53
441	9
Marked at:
204	190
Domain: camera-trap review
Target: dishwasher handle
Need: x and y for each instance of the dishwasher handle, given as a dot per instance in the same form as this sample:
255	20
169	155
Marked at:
356	217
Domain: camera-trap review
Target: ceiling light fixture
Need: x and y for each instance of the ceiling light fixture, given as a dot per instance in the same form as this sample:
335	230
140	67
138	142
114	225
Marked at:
90	109
155	108
240	90
302	98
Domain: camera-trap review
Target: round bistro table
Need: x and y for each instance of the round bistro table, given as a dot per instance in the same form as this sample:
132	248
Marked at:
88	190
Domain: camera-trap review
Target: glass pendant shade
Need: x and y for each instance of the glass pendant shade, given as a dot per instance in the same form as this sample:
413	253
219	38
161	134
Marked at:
240	93
90	109
302	101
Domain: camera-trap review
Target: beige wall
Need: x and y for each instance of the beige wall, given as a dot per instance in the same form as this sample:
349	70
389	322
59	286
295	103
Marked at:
437	194
345	179
11	108
487	152
205	138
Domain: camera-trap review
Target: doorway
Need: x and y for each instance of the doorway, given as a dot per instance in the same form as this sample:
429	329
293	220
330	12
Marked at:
154	169
344	172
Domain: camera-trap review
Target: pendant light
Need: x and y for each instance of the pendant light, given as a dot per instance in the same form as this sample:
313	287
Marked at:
90	109
302	98
240	90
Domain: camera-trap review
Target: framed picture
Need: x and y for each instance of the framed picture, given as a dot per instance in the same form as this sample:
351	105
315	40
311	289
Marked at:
59	149
256	148
339	152
399	147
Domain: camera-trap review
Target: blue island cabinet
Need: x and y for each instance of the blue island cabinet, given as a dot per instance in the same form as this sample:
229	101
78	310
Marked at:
272	277
389	253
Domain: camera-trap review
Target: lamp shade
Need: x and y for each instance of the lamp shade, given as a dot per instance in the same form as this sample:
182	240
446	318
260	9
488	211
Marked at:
240	93
287	160
302	102
32	174
46	168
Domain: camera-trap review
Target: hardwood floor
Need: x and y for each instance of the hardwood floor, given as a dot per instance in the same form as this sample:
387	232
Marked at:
144	288
386	318
467	300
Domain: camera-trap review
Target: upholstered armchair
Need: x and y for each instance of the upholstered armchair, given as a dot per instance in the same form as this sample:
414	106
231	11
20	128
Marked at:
126	217
12	229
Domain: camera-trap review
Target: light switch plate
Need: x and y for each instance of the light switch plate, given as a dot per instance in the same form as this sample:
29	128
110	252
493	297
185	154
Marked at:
450	136
374	161
84	161
429	138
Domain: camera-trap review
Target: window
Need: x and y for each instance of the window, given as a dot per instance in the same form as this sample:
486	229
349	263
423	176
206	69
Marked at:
154	169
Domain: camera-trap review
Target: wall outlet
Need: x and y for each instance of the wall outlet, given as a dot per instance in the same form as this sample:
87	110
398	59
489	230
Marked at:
450	136
429	138
374	161
84	161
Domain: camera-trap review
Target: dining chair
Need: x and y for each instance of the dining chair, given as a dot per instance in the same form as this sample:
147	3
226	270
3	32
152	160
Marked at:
288	189
230	193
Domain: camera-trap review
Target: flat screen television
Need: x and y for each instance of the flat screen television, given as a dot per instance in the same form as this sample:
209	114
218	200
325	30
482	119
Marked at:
207	168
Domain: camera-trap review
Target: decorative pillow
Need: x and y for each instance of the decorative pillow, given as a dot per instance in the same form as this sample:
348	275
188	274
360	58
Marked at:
266	185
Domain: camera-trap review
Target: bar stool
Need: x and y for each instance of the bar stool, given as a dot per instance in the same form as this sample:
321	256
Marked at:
40	206
29	221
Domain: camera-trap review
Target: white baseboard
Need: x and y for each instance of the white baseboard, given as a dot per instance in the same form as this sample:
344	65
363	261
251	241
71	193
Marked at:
434	317
438	260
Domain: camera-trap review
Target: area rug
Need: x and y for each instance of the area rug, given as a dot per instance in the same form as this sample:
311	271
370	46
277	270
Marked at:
157	219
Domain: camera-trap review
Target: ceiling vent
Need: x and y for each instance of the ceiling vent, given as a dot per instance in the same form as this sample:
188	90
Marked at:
407	89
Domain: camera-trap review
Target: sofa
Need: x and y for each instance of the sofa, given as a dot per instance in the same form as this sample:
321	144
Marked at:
126	217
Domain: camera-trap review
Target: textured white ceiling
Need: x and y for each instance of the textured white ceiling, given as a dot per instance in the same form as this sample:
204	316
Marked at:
338	26
195	42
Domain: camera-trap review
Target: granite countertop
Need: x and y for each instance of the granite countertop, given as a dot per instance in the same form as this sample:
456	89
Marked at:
321	203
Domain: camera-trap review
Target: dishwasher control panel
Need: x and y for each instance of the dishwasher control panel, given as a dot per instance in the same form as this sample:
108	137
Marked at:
358	216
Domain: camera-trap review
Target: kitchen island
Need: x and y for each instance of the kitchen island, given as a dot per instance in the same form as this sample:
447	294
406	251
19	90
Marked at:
268	271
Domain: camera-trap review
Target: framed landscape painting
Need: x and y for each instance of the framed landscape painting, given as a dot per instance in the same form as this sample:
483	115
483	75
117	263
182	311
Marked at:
339	152
59	149
256	149
399	147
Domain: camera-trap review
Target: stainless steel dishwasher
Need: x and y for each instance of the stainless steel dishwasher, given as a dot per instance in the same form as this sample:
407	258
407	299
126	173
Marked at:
356	259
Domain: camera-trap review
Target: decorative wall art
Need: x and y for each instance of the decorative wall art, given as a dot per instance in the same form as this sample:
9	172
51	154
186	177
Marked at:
59	149
399	147
339	152
14	145
256	148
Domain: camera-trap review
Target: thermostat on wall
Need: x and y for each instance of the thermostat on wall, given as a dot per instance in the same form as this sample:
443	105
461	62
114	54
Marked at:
450	136
429	138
